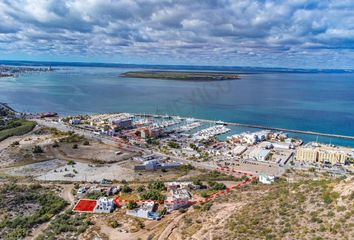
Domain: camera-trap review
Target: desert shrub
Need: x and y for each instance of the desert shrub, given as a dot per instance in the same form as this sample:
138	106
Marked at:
206	206
37	149
131	205
16	128
126	189
15	143
114	224
141	188
152	195
216	185
157	185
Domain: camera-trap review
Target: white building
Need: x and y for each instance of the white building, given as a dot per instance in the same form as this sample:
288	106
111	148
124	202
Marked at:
283	145
146	210
180	198
104	205
74	121
259	154
81	191
266	179
239	150
180	185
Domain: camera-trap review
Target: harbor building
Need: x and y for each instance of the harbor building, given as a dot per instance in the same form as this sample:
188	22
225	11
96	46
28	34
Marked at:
122	123
260	154
239	150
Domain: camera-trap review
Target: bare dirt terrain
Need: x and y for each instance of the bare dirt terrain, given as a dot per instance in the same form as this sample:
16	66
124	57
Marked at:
88	172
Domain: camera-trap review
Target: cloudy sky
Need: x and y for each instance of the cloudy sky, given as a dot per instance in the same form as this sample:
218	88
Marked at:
284	33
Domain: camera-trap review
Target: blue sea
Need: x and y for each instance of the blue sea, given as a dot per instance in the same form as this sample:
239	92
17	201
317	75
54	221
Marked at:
321	101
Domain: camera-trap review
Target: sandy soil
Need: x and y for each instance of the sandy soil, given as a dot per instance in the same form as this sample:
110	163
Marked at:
23	152
89	172
36	169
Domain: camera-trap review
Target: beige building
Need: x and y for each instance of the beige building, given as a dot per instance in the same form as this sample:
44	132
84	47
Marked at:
306	154
321	154
332	156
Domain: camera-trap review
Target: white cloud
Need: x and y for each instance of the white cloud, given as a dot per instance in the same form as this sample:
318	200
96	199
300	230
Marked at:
274	32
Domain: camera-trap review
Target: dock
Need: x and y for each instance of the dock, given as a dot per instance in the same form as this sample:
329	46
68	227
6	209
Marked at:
261	127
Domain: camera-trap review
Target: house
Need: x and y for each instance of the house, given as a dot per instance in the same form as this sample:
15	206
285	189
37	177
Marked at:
266	179
74	121
104	205
81	191
181	185
180	198
112	190
147	210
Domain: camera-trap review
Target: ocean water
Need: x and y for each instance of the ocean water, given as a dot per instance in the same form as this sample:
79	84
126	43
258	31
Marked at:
319	101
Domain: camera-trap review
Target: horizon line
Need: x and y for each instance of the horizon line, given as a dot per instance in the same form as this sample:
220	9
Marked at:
82	63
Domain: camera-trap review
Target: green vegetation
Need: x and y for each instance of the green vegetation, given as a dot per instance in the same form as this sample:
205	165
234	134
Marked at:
303	210
72	137
329	197
173	144
126	189
71	162
114	224
180	75
95	195
157	185
141	188
42	204
152	141
206	206
163	211
16	128
68	225
37	149
55	144
55	132
215	176
15	143
185	167
216	185
86	143
131	205
152	195
197	182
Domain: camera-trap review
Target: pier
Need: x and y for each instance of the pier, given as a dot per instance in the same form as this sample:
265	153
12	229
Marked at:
261	127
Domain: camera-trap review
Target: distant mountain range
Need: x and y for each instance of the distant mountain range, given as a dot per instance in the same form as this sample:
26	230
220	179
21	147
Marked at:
175	67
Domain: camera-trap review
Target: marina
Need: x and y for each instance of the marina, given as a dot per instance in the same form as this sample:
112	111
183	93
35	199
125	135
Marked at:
260	127
210	132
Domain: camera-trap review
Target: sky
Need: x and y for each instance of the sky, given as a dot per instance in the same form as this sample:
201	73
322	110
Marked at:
284	33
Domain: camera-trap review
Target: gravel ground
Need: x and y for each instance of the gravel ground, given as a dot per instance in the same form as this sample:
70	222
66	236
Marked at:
88	172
